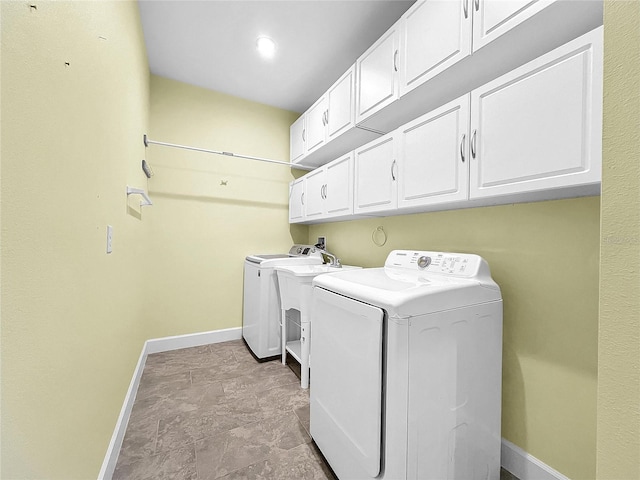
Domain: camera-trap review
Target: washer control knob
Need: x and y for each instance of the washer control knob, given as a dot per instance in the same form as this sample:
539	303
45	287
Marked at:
299	250
424	261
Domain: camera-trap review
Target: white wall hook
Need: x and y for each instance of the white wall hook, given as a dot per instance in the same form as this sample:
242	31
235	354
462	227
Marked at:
139	191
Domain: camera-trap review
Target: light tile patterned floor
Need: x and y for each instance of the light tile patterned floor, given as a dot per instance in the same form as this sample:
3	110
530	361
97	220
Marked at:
215	412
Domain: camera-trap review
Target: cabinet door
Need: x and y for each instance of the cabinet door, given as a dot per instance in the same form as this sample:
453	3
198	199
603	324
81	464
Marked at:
316	125
296	201
433	156
492	18
341	104
377	74
339	186
375	176
539	127
296	140
435	34
314	189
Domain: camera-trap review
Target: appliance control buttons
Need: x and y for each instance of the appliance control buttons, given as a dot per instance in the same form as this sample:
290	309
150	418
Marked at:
424	261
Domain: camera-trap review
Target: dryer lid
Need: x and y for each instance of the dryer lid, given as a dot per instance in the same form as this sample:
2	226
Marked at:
417	282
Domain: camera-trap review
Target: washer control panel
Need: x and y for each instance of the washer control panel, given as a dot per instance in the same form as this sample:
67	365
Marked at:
457	264
304	251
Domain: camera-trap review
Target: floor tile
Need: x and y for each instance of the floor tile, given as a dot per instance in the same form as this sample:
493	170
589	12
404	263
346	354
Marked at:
152	384
175	431
139	439
283	398
300	462
304	415
259	381
216	412
163	404
177	464
243	446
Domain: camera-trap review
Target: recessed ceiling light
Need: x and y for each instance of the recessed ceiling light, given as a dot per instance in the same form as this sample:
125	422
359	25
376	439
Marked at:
266	47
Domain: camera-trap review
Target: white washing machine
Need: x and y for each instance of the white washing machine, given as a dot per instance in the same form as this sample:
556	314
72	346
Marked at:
407	369
261	302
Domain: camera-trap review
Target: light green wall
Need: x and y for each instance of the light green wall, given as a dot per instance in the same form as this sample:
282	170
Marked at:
202	230
74	319
618	447
71	314
544	256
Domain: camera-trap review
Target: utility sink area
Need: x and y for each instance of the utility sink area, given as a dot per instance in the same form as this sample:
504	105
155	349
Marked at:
295	286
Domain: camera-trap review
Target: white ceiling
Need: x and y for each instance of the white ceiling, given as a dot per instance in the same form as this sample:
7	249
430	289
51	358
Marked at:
212	44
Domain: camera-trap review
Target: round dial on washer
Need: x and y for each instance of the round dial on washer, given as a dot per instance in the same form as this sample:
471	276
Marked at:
424	261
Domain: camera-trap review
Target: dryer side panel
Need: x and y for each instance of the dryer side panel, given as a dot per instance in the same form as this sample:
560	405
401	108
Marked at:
455	381
261	310
346	383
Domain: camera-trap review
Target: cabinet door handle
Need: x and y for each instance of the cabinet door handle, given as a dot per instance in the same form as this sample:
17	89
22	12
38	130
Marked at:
303	132
326	113
473	144
464	137
466	8
324	188
395	60
477	4
302	198
393	173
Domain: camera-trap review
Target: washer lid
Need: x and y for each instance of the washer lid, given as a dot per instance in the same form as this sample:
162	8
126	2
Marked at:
270	261
262	258
408	294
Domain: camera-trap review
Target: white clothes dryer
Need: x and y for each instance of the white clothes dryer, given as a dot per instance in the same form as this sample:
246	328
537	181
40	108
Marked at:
261	300
407	369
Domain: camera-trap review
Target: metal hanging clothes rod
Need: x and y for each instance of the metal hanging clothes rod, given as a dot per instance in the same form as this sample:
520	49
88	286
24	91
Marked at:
148	142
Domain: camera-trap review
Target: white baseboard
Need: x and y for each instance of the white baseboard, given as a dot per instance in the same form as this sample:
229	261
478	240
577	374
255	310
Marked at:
526	466
155	345
110	459
166	344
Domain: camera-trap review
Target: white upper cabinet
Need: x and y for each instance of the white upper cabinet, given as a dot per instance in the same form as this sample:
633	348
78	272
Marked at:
316	125
296	200
329	125
377	72
539	127
328	192
434	35
433	157
341	105
314	193
449	47
296	140
338	189
332	114
492	18
376	174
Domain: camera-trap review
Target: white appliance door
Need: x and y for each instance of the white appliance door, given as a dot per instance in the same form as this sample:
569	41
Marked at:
346	383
